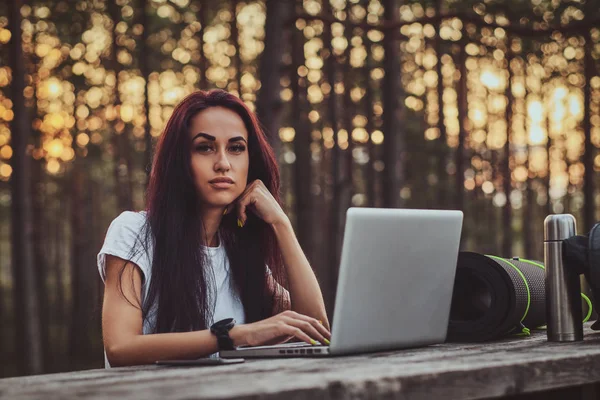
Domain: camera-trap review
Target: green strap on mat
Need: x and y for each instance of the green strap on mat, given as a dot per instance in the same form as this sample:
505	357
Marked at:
587	299
524	281
589	303
524	330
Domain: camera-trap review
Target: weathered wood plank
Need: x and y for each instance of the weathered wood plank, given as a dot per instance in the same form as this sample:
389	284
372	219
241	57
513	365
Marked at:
449	371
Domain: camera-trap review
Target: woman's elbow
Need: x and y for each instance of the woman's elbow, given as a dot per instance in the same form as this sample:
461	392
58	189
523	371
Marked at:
119	355
116	356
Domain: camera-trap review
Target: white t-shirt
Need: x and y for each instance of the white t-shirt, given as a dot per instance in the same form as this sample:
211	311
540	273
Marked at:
125	234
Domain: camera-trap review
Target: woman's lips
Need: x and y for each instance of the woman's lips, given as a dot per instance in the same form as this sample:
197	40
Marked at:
221	183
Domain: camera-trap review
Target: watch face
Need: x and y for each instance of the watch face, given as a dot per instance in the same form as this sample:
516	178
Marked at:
224	322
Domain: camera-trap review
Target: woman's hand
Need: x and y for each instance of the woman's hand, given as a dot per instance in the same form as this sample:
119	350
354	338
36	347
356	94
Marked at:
280	328
257	198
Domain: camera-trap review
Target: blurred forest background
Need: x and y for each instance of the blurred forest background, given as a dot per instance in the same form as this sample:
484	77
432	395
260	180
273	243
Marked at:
488	106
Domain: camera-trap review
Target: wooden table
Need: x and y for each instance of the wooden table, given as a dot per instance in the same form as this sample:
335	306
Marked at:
516	367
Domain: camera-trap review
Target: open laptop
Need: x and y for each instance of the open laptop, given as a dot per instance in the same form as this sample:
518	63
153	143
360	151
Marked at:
394	288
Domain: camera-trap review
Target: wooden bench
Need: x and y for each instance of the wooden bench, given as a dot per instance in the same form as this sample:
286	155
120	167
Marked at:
515	368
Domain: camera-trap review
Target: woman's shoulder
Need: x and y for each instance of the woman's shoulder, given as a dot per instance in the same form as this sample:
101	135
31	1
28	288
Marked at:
133	219
126	239
128	223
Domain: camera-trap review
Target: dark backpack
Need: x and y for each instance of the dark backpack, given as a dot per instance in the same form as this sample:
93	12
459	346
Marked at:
582	254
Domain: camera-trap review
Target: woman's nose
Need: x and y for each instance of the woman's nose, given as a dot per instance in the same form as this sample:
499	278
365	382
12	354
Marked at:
222	162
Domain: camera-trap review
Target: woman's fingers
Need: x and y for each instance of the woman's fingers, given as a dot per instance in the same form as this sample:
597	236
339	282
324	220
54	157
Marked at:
241	207
307	328
245	199
317	324
296	332
289	324
234	205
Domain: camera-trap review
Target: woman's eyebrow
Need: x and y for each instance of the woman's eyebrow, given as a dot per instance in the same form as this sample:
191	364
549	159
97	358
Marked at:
204	135
237	139
212	138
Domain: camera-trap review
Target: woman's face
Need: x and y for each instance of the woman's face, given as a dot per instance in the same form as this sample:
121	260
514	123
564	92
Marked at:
219	157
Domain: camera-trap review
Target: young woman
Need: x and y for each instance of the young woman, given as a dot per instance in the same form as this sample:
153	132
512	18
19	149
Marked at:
213	244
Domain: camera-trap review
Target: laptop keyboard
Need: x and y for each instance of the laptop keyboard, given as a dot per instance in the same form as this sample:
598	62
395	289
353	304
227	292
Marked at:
279	346
308	349
292	348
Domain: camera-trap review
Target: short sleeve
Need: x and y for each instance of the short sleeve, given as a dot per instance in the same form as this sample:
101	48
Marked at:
125	239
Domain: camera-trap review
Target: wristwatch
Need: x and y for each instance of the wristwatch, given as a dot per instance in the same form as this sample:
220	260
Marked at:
221	330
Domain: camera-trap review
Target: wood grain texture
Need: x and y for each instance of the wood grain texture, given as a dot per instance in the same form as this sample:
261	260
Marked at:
450	371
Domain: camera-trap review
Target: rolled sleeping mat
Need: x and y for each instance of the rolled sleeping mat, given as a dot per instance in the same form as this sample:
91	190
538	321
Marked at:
494	297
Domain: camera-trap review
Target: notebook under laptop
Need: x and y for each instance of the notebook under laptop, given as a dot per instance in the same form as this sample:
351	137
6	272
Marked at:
395	284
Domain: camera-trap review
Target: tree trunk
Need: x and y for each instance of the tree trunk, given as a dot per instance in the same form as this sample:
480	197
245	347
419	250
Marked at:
120	141
26	306
41	266
5	338
302	140
96	288
60	236
368	102
269	103
329	280
529	215
506	170
203	63
82	261
38	202
145	70
493	217
549	208
393	174
56	260
83	276
347	178
442	140
462	133
235	37
589	214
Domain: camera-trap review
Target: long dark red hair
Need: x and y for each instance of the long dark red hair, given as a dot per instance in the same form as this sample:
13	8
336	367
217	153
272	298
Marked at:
181	285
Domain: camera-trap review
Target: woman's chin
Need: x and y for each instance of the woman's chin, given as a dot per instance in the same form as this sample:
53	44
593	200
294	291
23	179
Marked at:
219	200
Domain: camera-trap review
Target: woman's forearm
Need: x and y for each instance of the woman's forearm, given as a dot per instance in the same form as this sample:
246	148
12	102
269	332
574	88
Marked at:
146	349
305	293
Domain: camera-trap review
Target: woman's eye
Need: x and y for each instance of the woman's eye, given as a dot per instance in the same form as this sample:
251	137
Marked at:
237	148
203	148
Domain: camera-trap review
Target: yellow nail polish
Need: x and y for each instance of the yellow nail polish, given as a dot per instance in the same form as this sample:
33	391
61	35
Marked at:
314	342
326	342
224	211
239	223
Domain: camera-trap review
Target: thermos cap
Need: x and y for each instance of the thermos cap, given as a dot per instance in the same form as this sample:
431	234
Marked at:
559	227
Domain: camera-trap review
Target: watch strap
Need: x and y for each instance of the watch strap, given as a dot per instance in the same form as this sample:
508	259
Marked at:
221	330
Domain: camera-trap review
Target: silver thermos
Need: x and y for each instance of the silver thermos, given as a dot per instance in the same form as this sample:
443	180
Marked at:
563	290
